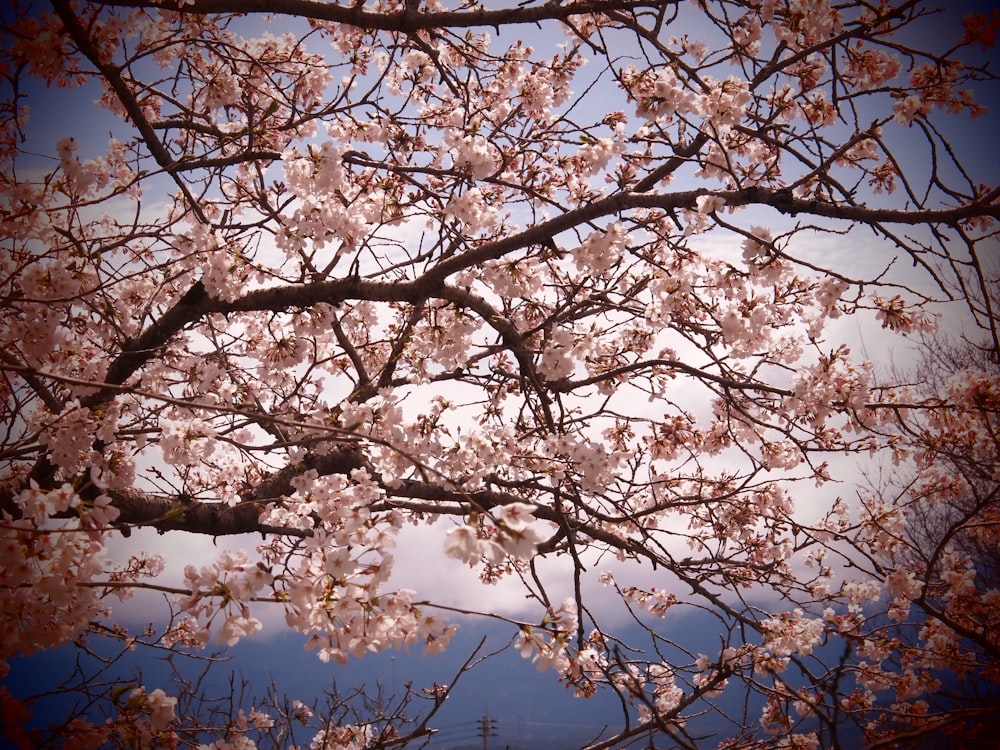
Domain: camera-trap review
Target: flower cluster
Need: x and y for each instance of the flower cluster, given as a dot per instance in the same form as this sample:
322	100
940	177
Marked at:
48	566
548	645
510	530
792	633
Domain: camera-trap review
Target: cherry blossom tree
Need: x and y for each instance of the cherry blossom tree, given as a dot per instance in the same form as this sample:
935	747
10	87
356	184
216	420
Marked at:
578	283
945	579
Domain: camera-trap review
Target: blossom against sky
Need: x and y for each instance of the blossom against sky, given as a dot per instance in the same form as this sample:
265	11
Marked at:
408	316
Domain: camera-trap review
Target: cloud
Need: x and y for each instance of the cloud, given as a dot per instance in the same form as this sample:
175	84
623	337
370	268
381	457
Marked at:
421	565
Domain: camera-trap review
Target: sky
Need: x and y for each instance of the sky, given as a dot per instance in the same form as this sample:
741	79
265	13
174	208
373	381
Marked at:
527	710
530	710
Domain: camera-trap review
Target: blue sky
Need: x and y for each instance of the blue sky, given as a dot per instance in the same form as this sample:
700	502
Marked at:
530	709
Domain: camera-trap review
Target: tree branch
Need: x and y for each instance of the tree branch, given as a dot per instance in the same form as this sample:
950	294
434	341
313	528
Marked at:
404	20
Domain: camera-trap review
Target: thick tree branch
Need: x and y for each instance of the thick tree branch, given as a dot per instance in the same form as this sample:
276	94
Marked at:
404	20
215	518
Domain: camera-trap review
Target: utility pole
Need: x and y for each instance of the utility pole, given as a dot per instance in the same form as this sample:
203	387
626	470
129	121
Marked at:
487	729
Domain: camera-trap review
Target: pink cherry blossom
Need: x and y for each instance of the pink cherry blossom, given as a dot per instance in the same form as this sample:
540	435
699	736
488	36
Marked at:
699	295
